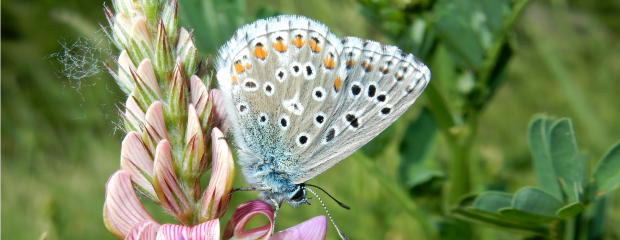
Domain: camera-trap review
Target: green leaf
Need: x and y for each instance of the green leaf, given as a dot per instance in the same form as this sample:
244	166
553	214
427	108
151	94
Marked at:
492	201
377	145
477	216
216	20
538	142
453	27
607	172
532	205
569	211
415	149
567	161
525	217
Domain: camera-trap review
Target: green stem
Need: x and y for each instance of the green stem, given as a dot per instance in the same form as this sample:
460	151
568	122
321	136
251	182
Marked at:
494	52
399	194
460	144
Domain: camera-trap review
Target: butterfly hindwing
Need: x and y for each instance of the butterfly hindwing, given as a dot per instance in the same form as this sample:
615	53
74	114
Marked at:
380	83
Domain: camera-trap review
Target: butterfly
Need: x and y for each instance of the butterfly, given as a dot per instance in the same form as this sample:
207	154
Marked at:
299	99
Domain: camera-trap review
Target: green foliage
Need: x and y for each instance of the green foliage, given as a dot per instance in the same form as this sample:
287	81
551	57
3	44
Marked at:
607	172
557	162
493	63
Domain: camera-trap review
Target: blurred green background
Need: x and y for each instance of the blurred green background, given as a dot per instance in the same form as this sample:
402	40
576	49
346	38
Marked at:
59	145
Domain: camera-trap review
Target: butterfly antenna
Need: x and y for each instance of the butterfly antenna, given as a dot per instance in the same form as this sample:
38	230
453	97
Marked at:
340	203
329	215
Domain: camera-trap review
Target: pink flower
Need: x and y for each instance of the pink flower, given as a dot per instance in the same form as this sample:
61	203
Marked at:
312	229
126	218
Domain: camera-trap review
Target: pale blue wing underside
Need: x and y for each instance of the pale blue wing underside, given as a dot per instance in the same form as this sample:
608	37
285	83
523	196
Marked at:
304	99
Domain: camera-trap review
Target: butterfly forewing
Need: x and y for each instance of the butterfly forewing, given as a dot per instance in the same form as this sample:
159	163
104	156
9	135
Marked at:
297	94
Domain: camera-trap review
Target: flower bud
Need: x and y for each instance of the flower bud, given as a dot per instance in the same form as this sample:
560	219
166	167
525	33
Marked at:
166	184
137	161
216	197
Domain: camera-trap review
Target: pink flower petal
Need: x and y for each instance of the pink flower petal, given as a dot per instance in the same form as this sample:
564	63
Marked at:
199	94
155	124
137	161
312	229
124	66
177	101
122	210
220	117
205	231
140	31
194	157
133	114
243	213
216	198
146	72
166	186
144	231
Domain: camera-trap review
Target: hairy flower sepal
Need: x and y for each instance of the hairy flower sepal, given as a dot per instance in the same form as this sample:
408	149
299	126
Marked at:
312	229
216	197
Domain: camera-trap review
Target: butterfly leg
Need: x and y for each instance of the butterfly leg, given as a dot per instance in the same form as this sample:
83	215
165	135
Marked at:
275	214
248	189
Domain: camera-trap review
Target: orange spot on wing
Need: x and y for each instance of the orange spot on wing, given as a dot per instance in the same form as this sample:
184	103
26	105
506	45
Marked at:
239	68
367	67
234	79
260	53
279	46
314	46
248	66
329	62
298	42
350	63
337	84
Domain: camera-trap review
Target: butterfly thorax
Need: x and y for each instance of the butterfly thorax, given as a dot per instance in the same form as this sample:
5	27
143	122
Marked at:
272	177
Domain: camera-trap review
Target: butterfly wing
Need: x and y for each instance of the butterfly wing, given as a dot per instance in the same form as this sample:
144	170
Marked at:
267	73
380	83
297	94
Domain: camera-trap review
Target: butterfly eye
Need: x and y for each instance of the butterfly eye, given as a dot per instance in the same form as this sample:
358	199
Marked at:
299	194
303	139
268	88
318	93
319	119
